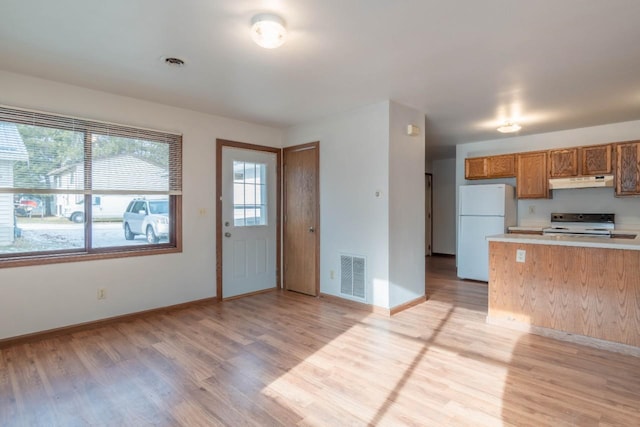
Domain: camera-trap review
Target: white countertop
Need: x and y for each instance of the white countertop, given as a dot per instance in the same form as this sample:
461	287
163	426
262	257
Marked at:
588	242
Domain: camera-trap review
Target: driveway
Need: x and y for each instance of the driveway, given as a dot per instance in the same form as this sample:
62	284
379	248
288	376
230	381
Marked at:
48	236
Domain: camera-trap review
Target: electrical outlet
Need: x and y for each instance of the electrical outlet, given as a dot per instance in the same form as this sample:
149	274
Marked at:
332	274
521	255
102	293
532	209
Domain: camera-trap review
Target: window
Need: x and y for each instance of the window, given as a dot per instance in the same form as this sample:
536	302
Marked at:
249	194
66	185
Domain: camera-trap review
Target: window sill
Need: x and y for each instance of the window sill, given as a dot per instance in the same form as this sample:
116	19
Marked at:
31	260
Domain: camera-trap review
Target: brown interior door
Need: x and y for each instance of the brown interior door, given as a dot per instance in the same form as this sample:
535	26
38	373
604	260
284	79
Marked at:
302	219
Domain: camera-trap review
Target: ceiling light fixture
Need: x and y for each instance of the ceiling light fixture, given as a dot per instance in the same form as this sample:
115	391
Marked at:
268	30
509	127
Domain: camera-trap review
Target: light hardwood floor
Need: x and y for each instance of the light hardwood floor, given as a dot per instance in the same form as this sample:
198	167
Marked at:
288	359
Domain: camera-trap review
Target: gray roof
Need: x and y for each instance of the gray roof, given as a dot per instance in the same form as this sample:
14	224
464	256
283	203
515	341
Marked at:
11	144
122	171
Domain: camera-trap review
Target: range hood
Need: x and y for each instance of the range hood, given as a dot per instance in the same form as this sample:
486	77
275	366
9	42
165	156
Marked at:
581	182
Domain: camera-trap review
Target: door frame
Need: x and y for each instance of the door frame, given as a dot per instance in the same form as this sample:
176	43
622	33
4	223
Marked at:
428	178
220	143
316	146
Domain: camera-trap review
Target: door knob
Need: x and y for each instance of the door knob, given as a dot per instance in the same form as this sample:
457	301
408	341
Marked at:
227	234
312	230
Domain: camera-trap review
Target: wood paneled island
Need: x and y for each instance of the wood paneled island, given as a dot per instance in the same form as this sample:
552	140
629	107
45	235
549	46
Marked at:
582	289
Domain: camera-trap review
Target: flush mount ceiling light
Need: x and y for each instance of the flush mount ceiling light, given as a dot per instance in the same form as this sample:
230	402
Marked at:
509	127
268	31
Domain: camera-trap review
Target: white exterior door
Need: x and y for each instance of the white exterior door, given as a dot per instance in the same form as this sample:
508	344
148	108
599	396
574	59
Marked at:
249	180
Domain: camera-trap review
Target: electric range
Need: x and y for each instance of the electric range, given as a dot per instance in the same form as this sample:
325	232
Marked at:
581	225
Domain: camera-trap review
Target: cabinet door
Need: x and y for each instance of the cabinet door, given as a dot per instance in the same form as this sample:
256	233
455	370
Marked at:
563	162
476	168
596	160
628	173
531	178
502	166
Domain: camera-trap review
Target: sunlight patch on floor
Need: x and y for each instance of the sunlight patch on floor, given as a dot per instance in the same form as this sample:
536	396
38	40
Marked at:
332	375
407	375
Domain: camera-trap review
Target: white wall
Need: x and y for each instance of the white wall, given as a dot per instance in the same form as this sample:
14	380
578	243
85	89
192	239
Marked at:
361	152
50	296
406	206
627	210
354	164
444	206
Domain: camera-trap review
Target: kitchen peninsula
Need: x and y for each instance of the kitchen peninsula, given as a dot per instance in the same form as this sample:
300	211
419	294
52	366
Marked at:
583	289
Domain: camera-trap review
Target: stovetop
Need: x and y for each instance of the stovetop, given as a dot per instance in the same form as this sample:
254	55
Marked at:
581	224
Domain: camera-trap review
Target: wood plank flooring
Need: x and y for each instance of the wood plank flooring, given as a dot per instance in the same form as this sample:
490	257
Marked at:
286	359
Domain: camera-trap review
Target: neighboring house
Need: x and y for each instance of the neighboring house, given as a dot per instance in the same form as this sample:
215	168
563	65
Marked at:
124	172
12	150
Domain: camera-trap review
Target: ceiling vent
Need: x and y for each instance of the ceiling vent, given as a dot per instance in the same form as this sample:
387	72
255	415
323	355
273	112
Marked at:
173	61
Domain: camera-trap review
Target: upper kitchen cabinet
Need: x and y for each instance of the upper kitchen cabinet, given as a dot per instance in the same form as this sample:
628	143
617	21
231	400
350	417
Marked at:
563	162
580	161
503	166
531	179
476	168
628	164
595	160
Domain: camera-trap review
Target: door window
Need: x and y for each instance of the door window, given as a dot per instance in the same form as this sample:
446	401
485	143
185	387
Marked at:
249	194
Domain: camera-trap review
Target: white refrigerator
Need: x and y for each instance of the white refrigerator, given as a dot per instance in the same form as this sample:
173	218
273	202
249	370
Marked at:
485	210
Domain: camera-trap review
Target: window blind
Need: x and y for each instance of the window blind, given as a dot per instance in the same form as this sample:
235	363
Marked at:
55	154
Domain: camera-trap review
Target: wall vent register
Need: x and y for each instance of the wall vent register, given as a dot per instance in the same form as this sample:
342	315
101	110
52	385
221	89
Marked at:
352	280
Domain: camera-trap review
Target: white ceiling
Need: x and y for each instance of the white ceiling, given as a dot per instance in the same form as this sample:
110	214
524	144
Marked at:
555	64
